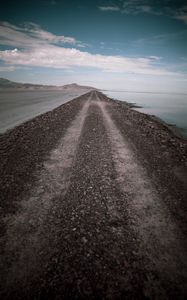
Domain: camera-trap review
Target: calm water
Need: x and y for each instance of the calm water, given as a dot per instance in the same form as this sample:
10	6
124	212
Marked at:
172	108
19	106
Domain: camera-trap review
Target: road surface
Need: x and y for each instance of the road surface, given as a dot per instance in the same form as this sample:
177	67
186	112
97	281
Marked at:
93	207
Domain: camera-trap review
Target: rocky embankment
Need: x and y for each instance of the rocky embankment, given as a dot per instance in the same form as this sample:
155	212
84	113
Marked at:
93	205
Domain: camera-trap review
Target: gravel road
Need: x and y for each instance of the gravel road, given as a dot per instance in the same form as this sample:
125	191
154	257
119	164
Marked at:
93	205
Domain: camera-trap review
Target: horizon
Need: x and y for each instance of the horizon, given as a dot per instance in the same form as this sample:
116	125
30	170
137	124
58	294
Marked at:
22	82
103	90
135	45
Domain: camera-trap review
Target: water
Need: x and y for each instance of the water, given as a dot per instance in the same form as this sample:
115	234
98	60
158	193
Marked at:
172	108
19	106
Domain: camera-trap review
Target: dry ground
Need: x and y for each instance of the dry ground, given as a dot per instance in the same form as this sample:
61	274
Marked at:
93	205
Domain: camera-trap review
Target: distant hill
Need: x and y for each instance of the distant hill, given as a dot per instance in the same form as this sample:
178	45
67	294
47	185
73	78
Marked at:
7	84
75	86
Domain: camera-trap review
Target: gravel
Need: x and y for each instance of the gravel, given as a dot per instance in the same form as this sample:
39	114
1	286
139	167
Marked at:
93	205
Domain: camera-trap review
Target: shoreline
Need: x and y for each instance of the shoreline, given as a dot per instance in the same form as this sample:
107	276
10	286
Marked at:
144	92
176	130
93	201
172	128
159	128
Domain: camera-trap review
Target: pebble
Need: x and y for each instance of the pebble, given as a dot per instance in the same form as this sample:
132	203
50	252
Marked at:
84	240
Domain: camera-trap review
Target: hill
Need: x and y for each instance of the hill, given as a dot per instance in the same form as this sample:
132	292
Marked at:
7	84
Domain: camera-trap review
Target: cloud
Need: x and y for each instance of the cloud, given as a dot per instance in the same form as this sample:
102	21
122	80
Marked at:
146	8
29	35
131	7
109	8
153	57
136	7
64	58
34	47
182	18
181	14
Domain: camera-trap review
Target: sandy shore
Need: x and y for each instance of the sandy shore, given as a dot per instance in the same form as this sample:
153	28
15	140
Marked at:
93	205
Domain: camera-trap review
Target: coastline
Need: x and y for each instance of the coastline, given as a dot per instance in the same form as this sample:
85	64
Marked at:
145	133
98	189
173	127
161	105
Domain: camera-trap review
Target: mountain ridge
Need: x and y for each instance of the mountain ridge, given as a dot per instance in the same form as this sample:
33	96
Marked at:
8	84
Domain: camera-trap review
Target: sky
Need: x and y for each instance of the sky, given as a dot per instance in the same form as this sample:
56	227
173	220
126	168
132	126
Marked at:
135	45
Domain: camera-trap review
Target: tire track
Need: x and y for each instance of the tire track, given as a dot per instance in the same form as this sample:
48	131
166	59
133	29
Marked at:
94	226
160	241
92	257
24	238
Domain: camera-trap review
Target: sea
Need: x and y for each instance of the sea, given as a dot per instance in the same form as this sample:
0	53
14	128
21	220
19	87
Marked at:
169	107
19	106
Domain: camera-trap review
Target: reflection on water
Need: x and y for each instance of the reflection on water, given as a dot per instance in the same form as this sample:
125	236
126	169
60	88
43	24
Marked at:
172	108
19	106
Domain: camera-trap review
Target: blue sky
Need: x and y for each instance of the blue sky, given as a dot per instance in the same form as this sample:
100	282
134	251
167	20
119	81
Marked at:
130	45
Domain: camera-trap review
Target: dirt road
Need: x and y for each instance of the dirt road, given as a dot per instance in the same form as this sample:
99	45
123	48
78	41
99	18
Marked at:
93	205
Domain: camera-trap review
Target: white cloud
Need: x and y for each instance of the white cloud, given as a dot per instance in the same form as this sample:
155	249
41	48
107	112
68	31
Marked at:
37	32
65	58
109	8
35	47
29	35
